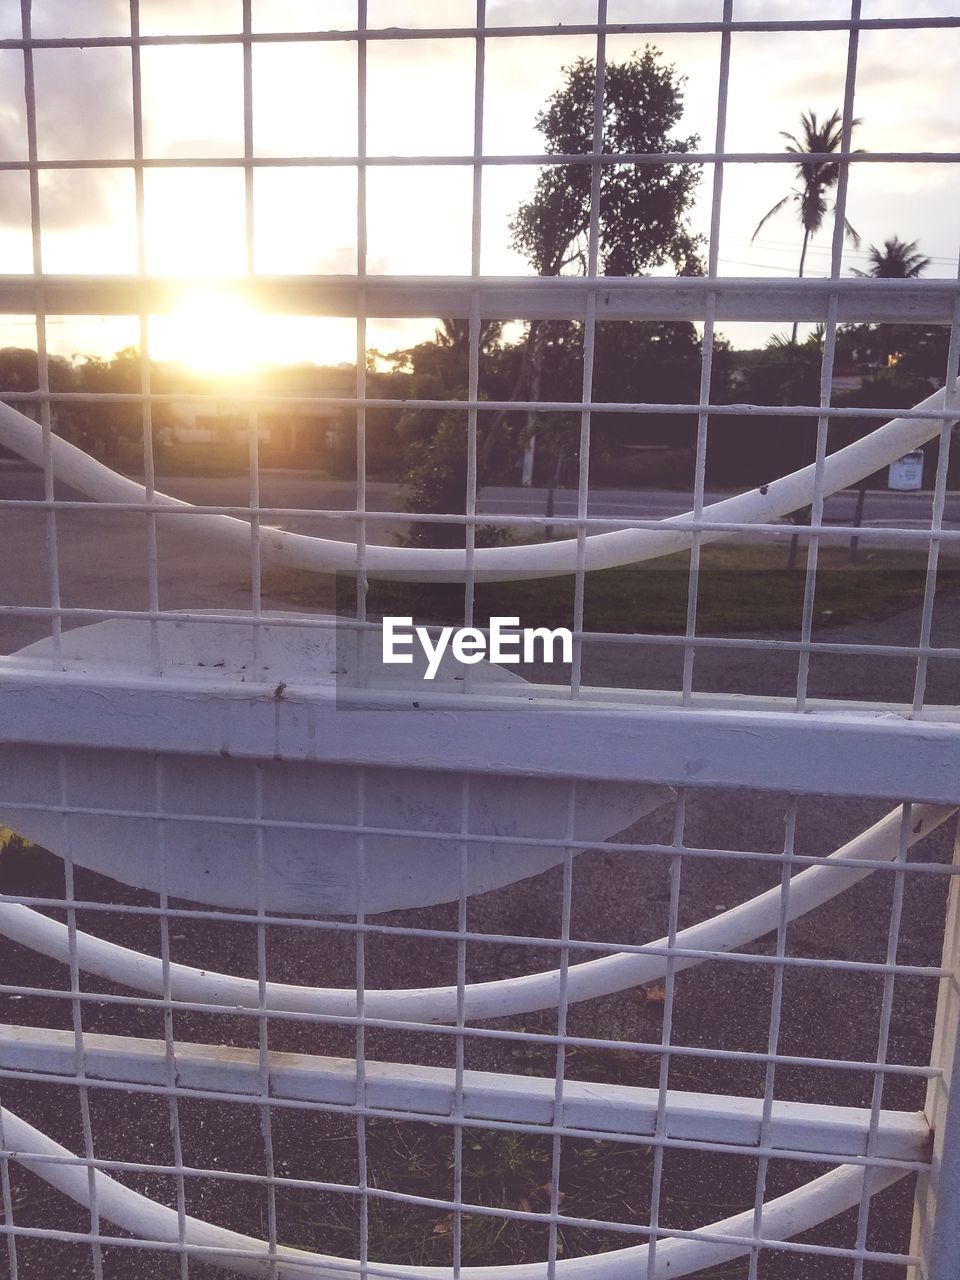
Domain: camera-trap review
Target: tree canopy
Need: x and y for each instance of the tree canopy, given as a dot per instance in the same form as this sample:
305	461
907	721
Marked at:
643	207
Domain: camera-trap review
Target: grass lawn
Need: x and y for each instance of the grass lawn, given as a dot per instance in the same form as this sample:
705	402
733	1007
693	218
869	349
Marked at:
212	461
740	589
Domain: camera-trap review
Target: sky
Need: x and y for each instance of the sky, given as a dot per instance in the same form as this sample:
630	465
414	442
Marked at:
420	102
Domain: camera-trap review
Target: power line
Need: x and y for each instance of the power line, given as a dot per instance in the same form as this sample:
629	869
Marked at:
862	254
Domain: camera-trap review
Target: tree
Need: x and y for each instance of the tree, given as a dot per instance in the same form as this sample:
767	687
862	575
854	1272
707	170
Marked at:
897	260
454	335
793	370
101	425
434	440
20	371
816	178
643	208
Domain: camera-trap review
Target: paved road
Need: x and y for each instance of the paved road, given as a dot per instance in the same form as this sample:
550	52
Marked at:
305	491
881	506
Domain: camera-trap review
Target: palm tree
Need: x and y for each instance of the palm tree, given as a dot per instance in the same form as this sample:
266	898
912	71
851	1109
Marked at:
897	260
454	335
815	179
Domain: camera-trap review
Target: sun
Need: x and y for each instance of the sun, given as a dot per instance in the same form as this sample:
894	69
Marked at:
213	331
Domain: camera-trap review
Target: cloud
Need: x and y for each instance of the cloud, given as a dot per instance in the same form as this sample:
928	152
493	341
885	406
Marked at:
13	133
190	17
884	74
84	111
822	83
439	13
68	18
71	199
784	10
84	103
521	13
895	8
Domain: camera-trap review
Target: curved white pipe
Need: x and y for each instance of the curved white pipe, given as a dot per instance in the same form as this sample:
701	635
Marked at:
783	1218
282	548
500	998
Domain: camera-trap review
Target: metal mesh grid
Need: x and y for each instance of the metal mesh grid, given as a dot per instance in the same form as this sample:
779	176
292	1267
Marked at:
763	1149
701	300
662	1119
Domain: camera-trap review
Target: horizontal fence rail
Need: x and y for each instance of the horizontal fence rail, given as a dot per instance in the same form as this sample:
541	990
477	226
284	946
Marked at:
562	298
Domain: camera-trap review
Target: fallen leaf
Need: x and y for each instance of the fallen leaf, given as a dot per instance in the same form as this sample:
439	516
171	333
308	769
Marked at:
547	1188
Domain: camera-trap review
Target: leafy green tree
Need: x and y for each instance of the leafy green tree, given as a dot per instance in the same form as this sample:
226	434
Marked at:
756	448
102	427
643	207
788	372
20	371
642	218
642	224
435	440
437	485
454	336
654	361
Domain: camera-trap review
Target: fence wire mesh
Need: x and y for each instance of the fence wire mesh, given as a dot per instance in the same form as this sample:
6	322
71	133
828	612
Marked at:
645	967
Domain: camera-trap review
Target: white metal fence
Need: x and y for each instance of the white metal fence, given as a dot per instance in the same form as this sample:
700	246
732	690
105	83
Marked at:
333	972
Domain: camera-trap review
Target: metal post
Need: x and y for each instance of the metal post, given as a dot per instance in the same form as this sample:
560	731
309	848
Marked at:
552	493
858	518
936	1222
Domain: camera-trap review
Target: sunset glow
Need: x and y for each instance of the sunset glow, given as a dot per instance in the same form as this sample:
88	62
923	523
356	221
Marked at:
212	331
216	331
